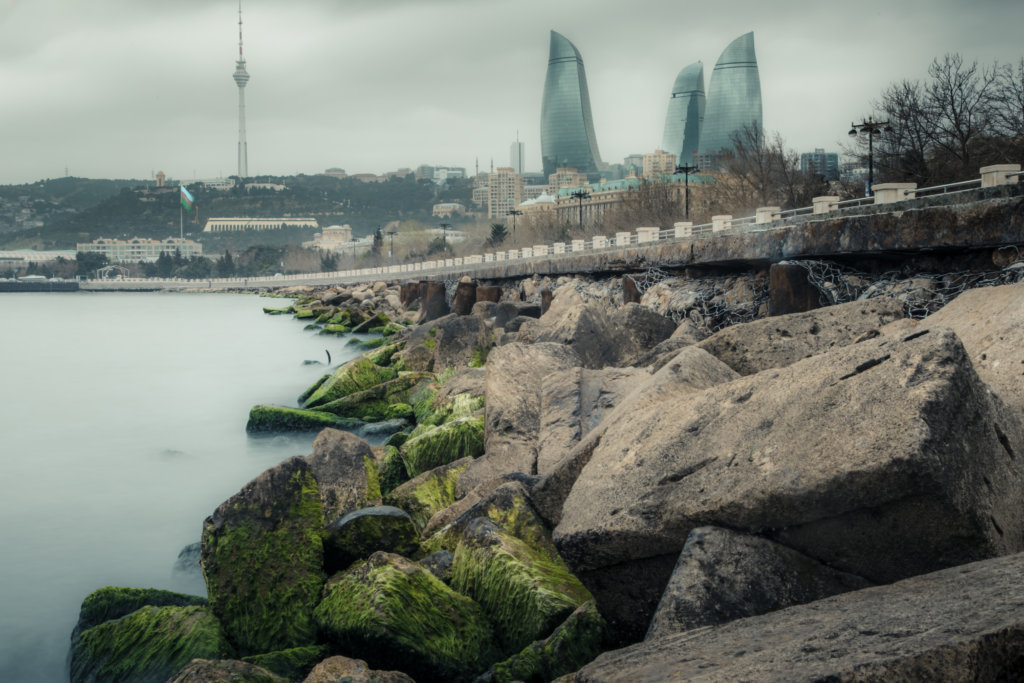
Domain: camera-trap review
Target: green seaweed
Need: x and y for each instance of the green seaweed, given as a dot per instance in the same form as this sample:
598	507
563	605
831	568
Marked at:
351	377
372	478
435	493
392	470
444	444
313	387
272	419
113	602
396	614
294	663
278	311
149	644
479	357
331	328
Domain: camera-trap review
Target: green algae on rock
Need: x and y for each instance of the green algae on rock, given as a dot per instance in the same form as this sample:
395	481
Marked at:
264	419
150	644
525	592
575	643
361	533
106	604
293	664
262	557
392	473
444	444
376	402
428	493
396	614
356	375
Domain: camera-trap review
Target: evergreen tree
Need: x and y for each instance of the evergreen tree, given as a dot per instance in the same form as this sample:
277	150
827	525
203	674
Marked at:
226	265
498	234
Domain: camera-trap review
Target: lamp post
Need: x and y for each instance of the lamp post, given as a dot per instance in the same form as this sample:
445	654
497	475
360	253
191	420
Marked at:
514	213
444	235
580	194
391	251
870	128
686	170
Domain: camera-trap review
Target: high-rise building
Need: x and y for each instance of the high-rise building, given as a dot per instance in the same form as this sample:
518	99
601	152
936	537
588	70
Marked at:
685	114
820	162
515	156
734	96
241	80
658	162
566	126
504	192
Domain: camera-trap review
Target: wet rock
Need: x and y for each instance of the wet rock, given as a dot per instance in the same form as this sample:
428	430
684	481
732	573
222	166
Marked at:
439	564
356	375
429	492
504	500
110	603
267	419
346	472
361	533
443	444
433	302
722	575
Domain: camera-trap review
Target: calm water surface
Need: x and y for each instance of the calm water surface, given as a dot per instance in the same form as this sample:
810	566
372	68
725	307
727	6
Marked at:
122	425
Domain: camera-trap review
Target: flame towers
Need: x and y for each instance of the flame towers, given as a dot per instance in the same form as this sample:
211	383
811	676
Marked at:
566	126
241	79
685	115
734	96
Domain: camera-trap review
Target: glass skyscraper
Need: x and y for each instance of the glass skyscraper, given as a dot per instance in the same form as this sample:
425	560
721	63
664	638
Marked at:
567	137
685	114
734	96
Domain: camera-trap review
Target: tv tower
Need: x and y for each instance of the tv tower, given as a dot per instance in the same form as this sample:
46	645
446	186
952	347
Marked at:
241	79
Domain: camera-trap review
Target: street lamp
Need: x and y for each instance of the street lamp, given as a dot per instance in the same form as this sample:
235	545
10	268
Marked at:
391	234
686	170
444	235
870	128
580	194
514	213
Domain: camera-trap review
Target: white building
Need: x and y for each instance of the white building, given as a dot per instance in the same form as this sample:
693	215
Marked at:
241	223
138	249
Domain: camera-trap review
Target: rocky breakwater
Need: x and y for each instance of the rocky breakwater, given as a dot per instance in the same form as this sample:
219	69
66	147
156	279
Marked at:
817	495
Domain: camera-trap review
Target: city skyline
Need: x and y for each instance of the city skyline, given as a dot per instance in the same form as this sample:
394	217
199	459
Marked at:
123	89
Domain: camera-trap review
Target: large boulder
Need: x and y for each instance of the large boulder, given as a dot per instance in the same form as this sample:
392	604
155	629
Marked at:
359	534
263	557
959	624
269	419
444	444
776	342
225	671
396	614
110	603
338	668
149	644
433	302
722	575
515	375
356	375
524	591
460	338
429	492
884	459
573	402
346	472
504	500
385	401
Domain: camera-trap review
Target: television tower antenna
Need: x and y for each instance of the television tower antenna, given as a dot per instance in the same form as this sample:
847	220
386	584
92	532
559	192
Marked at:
241	77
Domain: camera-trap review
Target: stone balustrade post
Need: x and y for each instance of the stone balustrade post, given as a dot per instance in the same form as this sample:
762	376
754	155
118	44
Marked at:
540	250
825	203
766	214
525	252
599	241
888	193
578	245
649	234
721	223
683	229
559	247
999	174
622	239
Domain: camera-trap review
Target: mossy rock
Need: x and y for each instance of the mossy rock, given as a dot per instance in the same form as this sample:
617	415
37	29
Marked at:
356	375
359	534
525	592
385	355
109	603
331	328
389	330
396	614
293	664
459	406
272	419
479	357
379	320
306	313
397	439
374	404
262	558
278	311
313	387
392	473
444	444
574	644
428	492
342	317
150	644
312	326
226	671
325	316
368	343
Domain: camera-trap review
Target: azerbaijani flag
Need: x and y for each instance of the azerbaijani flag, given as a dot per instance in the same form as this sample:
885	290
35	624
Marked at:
187	200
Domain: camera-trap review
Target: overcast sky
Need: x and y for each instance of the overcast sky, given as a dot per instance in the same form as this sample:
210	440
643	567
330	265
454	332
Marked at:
124	88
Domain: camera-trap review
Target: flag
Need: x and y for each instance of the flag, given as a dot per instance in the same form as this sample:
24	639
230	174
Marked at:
187	200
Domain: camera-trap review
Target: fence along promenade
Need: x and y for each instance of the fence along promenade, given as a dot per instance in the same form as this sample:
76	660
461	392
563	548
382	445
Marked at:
764	219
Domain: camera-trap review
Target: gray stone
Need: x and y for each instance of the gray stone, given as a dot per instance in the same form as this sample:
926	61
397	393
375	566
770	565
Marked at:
439	564
340	462
959	624
780	341
224	671
458	337
722	575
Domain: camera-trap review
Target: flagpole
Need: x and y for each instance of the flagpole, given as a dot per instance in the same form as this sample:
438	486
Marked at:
181	221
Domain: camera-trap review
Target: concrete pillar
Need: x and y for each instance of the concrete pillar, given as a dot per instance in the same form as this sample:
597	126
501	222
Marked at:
766	214
488	258
683	229
647	235
409	292
887	193
991	176
721	223
600	242
578	245
540	250
559	247
622	239
434	304
465	297
825	203
488	294
526	252
789	290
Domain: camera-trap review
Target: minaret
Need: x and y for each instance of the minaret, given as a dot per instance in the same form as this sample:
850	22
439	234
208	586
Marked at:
241	78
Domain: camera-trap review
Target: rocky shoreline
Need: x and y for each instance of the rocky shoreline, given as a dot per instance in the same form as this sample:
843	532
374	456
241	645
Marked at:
633	479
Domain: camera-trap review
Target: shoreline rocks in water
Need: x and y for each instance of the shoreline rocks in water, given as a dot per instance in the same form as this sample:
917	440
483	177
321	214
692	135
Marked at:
604	479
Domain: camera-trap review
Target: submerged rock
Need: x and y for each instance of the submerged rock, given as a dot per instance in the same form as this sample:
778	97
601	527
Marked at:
356	375
149	644
395	613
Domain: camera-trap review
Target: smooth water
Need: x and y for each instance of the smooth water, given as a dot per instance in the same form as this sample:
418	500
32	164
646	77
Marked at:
122	426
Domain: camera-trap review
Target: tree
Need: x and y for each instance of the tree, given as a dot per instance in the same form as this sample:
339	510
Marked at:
498	234
88	263
226	265
328	262
164	264
378	244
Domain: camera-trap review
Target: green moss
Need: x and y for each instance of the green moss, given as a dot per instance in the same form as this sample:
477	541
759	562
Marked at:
444	444
380	402
367	343
150	644
313	387
272	419
372	478
335	329
278	311
325	316
342	317
110	603
294	663
263	566
398	411
525	592
396	614
479	357
351	377
304	313
445	375
428	497
389	330
379	320
384	355
575	643
397	439
392	470
460	406
430	343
